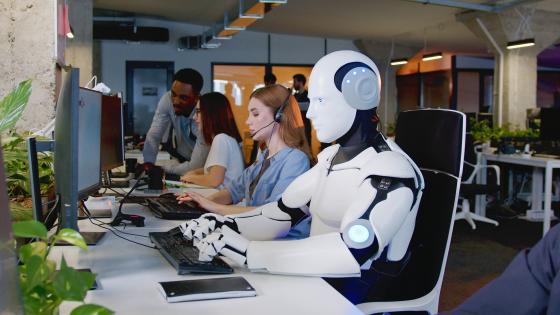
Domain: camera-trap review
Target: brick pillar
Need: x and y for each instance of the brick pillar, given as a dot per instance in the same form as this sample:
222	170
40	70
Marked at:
27	51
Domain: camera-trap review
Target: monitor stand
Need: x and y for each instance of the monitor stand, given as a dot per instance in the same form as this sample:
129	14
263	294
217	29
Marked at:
91	238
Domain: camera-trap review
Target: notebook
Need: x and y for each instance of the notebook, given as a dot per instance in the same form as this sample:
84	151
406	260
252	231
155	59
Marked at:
205	289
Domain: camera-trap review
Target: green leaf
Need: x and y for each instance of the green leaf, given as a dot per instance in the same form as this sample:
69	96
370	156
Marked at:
12	106
72	237
32	249
91	309
72	285
30	229
37	272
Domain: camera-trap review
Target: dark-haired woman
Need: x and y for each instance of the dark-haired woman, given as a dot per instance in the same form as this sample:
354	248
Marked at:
224	163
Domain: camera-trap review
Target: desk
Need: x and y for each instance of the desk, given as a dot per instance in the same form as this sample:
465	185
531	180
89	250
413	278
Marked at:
127	275
539	164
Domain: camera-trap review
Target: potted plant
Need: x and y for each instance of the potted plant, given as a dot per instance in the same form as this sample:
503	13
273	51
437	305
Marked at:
15	155
482	133
44	287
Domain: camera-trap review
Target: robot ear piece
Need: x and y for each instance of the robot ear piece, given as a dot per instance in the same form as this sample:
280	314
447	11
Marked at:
359	85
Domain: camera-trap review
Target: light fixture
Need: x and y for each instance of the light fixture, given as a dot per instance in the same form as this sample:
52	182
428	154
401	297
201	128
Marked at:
432	56
521	43
70	33
66	22
274	1
398	62
222	37
256	12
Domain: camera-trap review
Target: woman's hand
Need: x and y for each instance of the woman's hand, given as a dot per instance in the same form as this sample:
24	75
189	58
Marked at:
187	178
202	201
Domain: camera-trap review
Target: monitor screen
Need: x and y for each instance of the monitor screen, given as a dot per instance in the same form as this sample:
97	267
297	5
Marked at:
112	146
550	124
10	301
89	142
77	162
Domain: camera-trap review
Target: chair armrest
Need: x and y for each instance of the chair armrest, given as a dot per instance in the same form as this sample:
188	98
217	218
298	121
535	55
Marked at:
477	168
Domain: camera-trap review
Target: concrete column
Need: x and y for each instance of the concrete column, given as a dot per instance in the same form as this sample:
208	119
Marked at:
515	79
381	52
27	51
79	49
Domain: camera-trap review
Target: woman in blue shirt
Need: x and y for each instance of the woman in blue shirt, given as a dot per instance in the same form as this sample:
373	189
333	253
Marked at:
276	123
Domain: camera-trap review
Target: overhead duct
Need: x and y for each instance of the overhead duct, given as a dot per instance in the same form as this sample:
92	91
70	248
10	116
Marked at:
126	29
234	21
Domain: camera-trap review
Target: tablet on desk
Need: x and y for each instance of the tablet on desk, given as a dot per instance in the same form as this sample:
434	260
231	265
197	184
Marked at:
206	289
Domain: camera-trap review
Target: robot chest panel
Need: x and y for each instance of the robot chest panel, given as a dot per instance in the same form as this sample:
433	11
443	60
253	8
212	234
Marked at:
336	193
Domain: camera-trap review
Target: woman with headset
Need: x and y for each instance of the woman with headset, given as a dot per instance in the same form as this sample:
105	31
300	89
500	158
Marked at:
215	121
275	122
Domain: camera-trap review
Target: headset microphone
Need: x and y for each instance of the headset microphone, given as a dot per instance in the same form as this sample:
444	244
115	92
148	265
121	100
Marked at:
254	133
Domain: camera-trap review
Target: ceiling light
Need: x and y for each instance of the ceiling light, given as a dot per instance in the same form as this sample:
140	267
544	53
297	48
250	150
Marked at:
433	56
70	33
398	62
210	45
274	1
256	12
221	37
521	43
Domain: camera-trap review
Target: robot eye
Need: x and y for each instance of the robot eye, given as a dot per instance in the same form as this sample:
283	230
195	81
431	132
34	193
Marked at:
320	99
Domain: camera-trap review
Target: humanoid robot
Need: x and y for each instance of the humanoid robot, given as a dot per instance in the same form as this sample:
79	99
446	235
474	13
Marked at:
362	195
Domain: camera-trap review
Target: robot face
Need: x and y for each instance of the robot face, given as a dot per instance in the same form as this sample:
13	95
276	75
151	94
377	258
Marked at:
332	108
328	111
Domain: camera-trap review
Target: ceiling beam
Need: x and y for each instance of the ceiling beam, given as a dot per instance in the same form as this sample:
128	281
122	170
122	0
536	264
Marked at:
475	6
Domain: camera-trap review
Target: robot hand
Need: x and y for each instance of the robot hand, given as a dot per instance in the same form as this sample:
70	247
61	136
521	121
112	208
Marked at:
226	242
202	227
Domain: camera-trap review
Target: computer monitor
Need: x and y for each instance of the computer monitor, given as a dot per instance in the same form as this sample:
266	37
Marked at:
10	299
77	164
112	145
550	124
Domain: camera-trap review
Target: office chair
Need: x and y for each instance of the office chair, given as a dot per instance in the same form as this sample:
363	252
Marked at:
434	139
469	189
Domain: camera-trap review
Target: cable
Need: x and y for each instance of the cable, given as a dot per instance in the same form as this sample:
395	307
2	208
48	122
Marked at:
90	217
118	218
116	192
115	231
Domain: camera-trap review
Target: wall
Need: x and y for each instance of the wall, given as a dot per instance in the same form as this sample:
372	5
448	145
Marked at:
245	47
79	49
27	29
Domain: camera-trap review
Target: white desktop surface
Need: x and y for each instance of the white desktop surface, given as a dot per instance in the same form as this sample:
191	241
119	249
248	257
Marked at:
127	276
539	165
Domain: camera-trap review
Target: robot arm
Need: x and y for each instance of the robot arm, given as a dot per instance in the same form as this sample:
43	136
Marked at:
270	221
372	221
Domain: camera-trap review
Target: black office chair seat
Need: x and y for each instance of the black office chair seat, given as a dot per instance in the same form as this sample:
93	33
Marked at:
470	190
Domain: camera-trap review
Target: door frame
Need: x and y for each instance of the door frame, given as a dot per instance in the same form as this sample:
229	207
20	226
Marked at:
130	67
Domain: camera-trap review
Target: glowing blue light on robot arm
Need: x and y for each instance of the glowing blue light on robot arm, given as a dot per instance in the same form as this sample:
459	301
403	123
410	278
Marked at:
358	233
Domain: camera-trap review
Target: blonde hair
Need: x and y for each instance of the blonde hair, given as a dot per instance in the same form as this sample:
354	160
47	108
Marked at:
291	129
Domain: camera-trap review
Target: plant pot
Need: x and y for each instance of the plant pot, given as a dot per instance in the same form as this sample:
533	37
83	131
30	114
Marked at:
486	148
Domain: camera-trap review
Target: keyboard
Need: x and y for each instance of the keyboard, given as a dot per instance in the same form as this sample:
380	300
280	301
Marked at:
183	256
169	209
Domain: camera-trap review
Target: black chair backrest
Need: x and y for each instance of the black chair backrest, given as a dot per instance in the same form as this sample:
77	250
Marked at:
470	155
434	139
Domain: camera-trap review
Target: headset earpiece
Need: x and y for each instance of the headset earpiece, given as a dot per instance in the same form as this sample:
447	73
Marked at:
280	112
359	85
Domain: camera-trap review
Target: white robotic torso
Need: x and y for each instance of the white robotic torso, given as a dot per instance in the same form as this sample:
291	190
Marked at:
336	188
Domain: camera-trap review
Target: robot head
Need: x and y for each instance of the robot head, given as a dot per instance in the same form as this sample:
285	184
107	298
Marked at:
341	83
